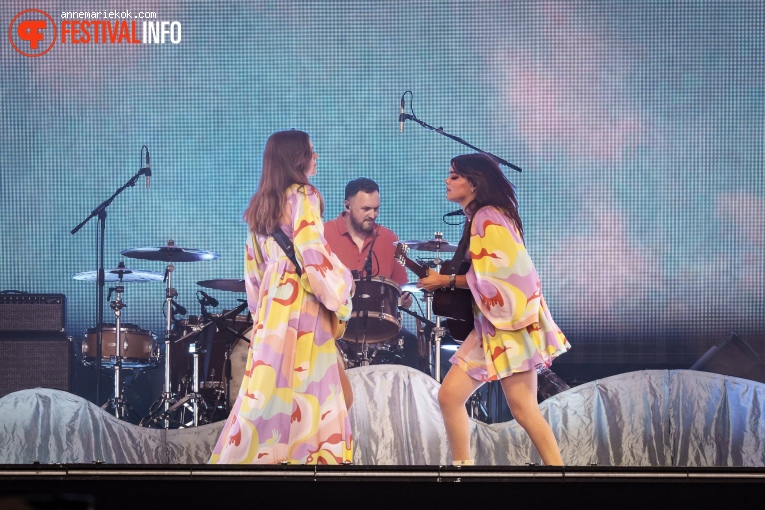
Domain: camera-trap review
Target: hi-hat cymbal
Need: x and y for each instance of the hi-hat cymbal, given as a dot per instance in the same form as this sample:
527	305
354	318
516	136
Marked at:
228	284
121	274
435	244
170	253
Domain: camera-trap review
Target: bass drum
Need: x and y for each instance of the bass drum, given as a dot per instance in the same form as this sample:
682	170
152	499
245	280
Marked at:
374	318
239	352
212	343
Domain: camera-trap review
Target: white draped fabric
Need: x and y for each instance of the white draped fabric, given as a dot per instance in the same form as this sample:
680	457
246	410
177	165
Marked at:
649	418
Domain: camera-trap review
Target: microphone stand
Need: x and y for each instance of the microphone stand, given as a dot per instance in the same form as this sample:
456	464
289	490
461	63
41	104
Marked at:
365	316
100	212
219	321
418	316
440	130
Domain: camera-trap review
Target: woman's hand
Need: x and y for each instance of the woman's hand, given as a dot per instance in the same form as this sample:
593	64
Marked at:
433	281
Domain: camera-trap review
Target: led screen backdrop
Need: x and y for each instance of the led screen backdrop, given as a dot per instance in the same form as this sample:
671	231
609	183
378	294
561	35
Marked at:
638	127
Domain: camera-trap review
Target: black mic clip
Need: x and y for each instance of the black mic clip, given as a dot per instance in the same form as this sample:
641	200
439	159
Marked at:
178	309
206	299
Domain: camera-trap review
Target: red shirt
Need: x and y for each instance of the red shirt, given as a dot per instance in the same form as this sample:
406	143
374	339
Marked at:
383	262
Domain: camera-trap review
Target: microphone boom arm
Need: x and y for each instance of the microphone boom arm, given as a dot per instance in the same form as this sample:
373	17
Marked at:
102	207
407	116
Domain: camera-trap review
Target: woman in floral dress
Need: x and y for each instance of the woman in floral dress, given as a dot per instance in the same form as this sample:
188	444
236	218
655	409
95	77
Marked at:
291	407
514	332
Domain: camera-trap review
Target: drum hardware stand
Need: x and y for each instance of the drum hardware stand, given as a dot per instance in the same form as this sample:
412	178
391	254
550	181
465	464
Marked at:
421	330
117	402
167	398
194	396
165	416
170	403
400	339
476	409
365	359
438	331
170	294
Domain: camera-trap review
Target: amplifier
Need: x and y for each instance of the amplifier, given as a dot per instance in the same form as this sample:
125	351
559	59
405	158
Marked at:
35	360
33	312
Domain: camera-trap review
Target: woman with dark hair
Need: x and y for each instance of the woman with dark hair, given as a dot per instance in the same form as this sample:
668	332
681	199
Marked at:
291	405
514	332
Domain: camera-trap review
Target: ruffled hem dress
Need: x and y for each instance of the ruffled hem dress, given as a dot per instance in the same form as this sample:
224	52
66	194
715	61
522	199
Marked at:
290	406
513	328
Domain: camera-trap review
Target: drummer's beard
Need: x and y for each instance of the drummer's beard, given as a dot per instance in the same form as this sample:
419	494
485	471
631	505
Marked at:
367	226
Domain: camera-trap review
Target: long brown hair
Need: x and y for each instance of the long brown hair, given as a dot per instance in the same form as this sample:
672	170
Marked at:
285	160
491	185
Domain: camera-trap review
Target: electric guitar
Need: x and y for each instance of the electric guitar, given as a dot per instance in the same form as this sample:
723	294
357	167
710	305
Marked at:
455	305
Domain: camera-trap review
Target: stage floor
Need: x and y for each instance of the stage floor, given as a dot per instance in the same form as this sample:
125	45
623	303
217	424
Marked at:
204	486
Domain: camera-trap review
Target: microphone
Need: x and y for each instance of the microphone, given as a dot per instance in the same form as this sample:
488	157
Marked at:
458	212
368	262
180	309
147	170
368	265
209	300
401	117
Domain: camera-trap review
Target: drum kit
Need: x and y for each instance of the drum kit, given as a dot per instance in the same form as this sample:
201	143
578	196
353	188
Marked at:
203	354
430	343
197	350
372	334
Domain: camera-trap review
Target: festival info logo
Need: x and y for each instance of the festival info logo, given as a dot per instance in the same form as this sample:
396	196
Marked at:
32	32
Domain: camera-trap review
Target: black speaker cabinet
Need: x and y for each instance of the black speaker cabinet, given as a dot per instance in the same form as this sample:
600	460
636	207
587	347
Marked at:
32	360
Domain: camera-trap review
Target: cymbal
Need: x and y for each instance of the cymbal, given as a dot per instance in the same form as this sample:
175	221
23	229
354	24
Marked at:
228	284
170	253
121	274
435	244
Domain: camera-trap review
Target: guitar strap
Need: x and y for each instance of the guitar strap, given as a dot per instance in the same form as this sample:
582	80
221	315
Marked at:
289	249
338	326
459	255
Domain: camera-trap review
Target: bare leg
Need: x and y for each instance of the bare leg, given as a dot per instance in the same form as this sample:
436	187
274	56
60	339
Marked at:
455	389
521	394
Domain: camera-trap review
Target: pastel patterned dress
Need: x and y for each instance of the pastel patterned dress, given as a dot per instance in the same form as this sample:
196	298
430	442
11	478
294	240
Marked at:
290	406
514	330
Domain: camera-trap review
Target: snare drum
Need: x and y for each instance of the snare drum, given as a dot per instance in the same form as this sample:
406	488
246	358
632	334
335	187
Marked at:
139	346
375	317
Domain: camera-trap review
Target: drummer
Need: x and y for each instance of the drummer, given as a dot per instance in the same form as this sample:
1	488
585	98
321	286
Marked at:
351	236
